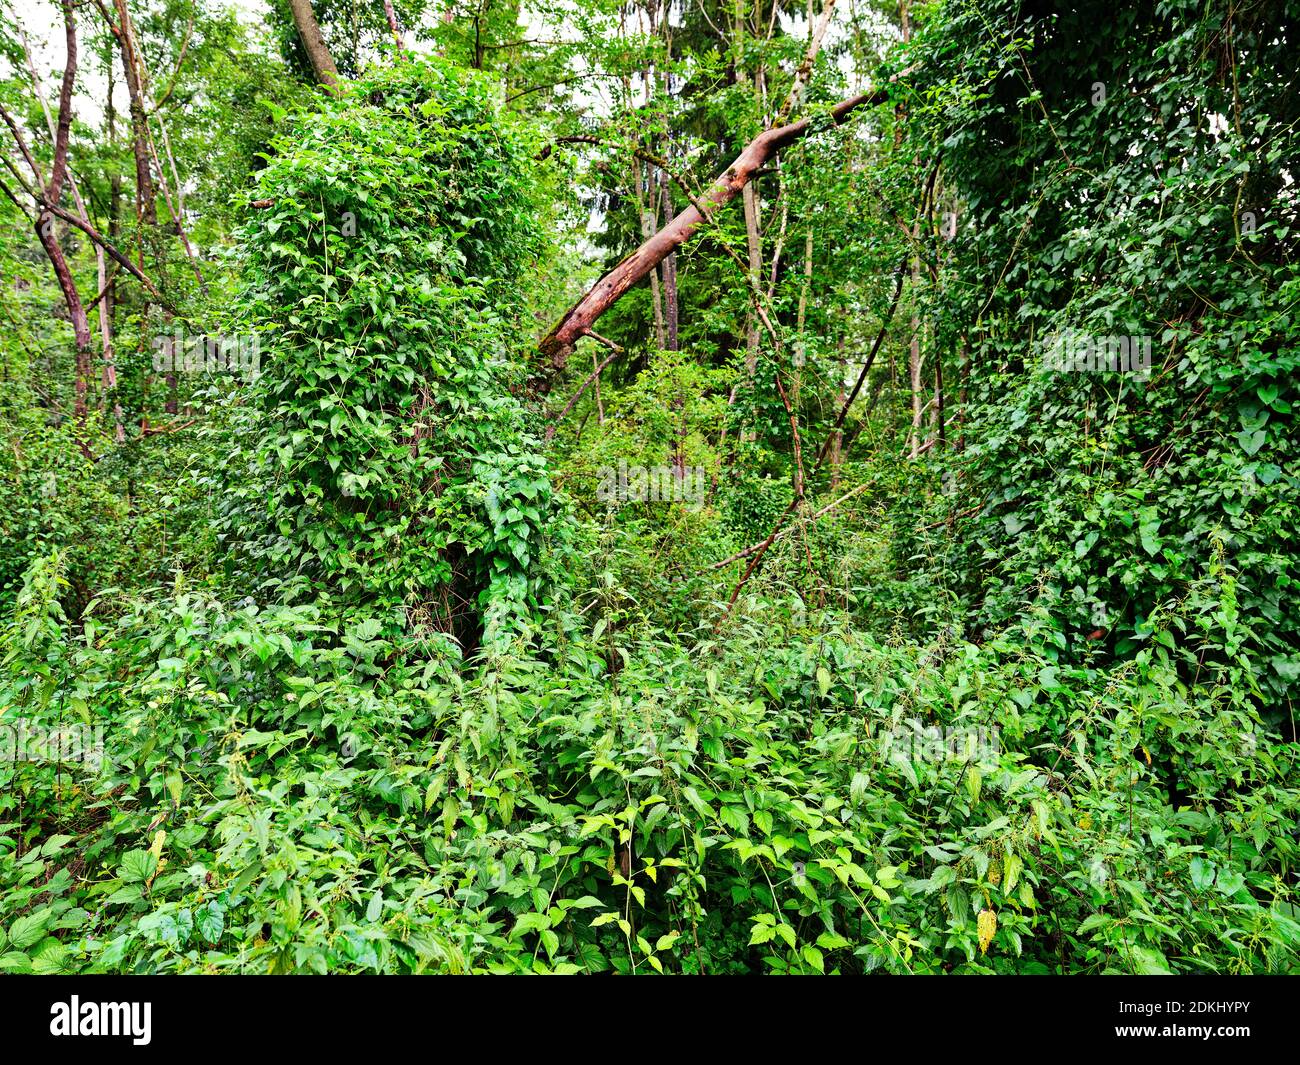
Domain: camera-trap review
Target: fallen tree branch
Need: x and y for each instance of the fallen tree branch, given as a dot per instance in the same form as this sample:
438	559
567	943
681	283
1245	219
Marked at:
759	551
951	518
172	427
108	287
558	344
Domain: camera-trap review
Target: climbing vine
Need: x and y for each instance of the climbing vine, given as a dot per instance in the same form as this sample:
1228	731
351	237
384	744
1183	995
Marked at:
381	272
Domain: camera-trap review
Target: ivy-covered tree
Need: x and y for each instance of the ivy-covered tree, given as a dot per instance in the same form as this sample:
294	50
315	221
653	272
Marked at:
381	288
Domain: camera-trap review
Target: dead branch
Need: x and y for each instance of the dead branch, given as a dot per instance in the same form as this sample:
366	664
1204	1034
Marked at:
615	352
558	344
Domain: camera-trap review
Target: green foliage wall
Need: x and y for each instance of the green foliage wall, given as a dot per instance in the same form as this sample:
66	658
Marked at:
1015	704
1121	172
382	285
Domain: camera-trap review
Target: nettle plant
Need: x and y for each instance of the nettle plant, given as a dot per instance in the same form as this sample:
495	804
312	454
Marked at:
381	266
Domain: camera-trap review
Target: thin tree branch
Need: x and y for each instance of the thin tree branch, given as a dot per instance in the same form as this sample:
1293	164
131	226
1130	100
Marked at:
810	57
746	552
114	254
22	145
594	376
866	368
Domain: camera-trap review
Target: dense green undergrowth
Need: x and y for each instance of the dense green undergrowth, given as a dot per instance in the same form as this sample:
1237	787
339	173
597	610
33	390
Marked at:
285	796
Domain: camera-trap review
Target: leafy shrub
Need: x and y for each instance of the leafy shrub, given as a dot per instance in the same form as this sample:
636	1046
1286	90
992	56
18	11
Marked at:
278	795
381	282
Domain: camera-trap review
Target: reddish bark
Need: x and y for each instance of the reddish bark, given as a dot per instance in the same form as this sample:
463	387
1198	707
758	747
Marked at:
391	15
558	344
45	221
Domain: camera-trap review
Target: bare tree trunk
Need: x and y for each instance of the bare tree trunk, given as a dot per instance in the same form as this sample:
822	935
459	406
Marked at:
749	206
914	367
391	15
313	41
754	243
59	135
938	431
108	306
45	232
837	436
76	309
645	188
938	397
802	313
146	202
649	226
672	313
963	375
914	347
669	268
151	106
104	285
177	209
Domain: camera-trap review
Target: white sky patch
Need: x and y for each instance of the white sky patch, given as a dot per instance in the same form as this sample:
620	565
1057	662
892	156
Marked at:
41	21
